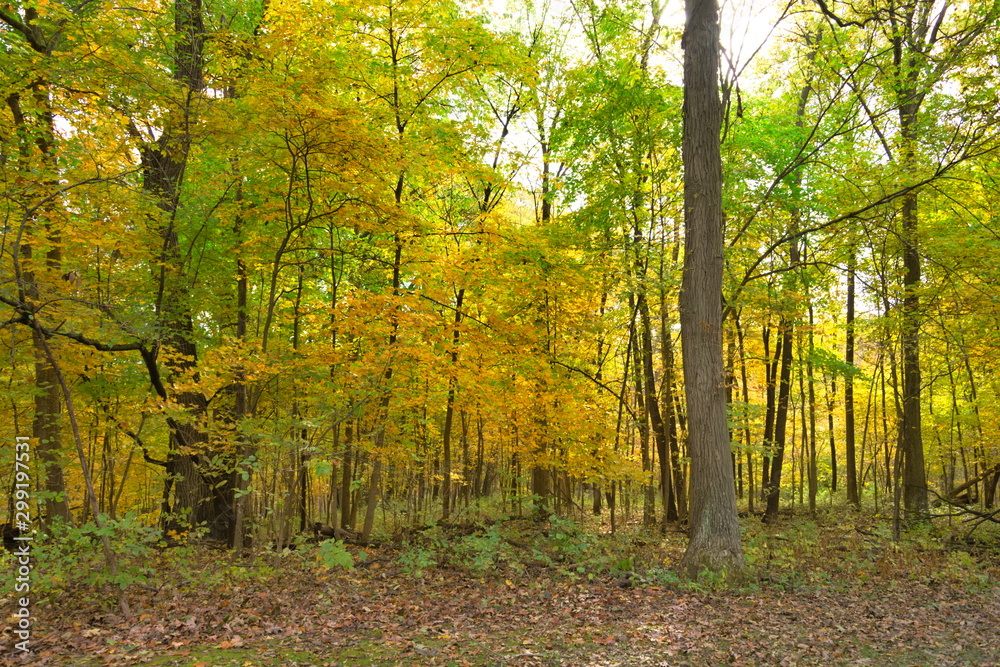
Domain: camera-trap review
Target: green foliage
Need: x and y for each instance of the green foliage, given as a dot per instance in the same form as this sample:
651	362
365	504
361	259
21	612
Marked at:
663	576
707	581
481	552
416	560
332	554
73	555
567	542
834	364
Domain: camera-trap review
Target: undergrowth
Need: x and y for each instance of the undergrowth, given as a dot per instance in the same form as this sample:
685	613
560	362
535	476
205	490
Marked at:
795	555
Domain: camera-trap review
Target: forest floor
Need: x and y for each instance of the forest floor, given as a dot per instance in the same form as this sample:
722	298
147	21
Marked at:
814	595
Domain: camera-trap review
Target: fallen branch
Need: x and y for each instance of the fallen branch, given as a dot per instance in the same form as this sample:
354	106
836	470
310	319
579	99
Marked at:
970	482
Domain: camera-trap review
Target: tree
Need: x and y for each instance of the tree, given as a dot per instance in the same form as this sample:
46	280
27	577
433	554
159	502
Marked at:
37	256
715	534
202	490
927	42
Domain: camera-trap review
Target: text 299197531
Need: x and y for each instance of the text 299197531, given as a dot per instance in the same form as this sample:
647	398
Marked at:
17	538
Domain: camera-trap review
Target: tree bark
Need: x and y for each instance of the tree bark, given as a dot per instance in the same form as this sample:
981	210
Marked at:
914	33
850	453
203	494
771	366
910	438
449	413
773	489
715	535
383	412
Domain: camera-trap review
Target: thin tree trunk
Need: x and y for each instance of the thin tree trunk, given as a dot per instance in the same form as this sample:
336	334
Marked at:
747	435
652	402
347	475
772	363
244	449
831	391
850	463
110	557
780	421
376	476
639	376
811	407
449	413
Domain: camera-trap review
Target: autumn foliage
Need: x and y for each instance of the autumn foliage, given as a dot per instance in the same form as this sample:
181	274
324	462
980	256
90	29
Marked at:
375	264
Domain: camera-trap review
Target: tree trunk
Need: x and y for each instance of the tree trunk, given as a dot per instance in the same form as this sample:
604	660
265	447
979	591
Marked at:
771	366
715	535
812	472
449	413
678	485
347	475
678	493
912	38
541	478
652	402
831	391
910	438
747	436
36	130
850	464
773	489
990	489
639	377
47	430
376	477
203	494
245	448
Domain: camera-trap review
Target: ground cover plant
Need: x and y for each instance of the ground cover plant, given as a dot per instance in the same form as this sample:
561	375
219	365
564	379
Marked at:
521	591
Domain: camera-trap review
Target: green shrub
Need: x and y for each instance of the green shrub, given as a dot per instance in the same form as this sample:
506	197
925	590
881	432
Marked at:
74	555
416	560
332	554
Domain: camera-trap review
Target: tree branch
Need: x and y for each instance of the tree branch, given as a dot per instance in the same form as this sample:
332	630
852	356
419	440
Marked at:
25	316
27	31
600	384
827	12
749	274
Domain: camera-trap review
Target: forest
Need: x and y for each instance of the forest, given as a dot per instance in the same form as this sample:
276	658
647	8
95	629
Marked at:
595	303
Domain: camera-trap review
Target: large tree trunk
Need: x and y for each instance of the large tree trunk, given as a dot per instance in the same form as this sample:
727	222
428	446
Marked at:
203	494
715	533
914	33
910	438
